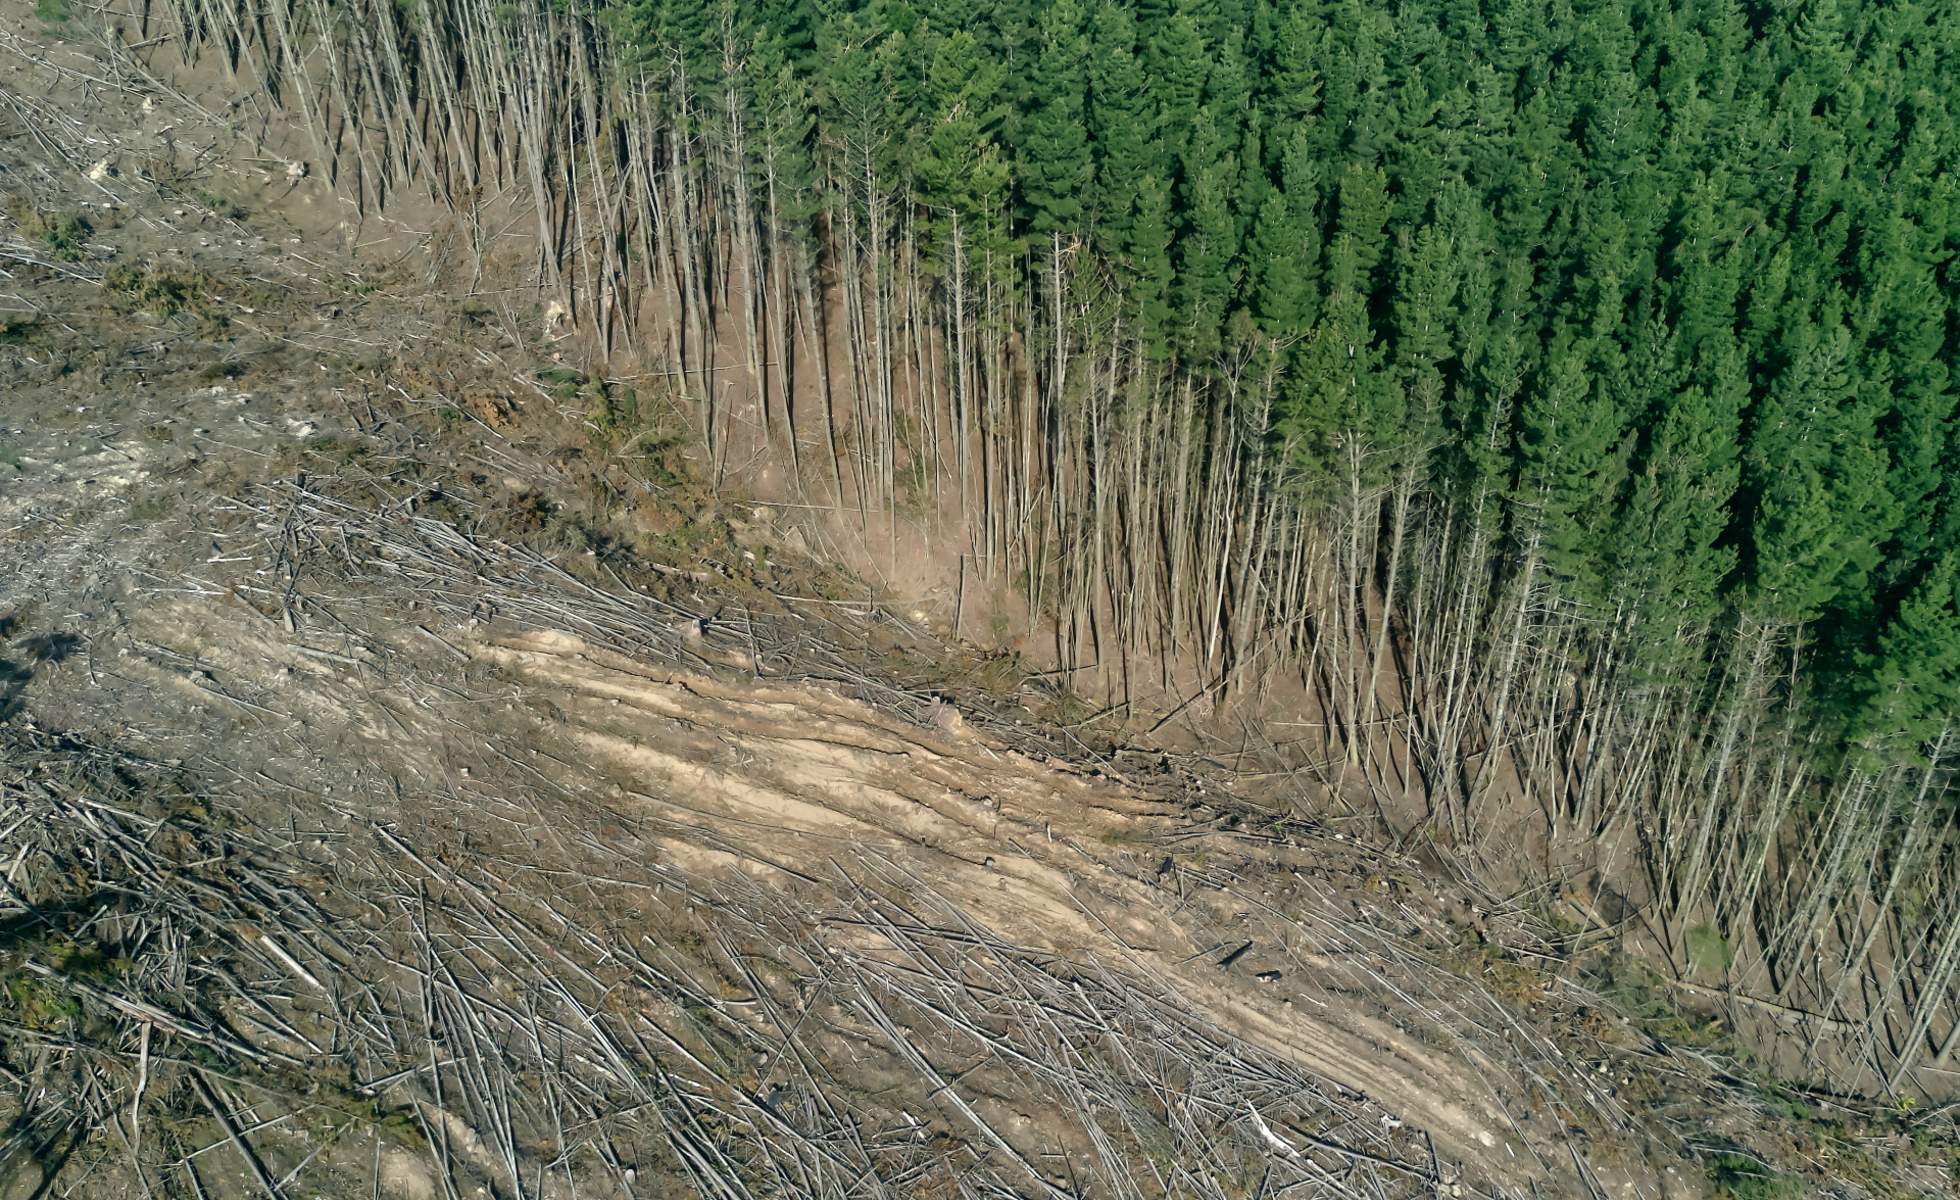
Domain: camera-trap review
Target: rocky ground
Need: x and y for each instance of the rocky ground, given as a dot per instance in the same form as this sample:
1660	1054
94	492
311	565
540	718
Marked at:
407	789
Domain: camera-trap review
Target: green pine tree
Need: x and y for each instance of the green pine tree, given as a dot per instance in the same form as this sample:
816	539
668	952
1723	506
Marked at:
1052	158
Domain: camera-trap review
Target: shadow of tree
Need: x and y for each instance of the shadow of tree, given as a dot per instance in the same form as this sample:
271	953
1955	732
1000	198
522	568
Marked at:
34	651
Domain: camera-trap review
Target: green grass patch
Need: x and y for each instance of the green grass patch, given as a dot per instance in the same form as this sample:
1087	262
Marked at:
649	429
64	235
566	383
153	507
1735	1176
37	1002
160	291
1643	995
1708	950
219	204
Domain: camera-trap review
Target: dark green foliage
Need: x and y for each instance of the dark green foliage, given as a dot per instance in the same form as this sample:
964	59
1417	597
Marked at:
1053	157
1659	300
1174	63
1207	275
1285	246
1914	675
17	329
961	174
1149	261
1120	125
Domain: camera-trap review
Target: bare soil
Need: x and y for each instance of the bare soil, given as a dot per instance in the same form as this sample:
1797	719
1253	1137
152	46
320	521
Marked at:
408	789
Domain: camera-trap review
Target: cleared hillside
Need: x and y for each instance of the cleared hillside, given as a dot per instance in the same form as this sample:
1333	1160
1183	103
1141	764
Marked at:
410	787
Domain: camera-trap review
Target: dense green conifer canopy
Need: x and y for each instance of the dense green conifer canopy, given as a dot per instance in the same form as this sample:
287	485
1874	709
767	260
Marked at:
1675	281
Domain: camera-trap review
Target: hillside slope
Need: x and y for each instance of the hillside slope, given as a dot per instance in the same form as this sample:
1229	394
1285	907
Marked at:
402	793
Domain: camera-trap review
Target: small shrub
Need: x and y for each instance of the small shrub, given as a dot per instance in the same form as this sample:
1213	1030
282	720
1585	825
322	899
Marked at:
1741	1177
563	382
163	292
1643	996
170	175
53	13
36	1002
220	205
64	234
616	413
